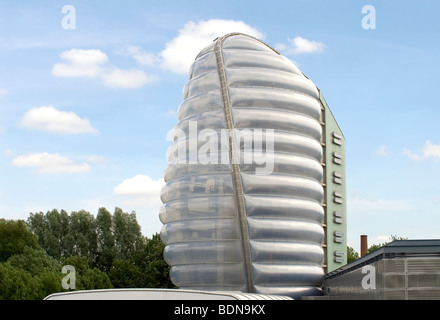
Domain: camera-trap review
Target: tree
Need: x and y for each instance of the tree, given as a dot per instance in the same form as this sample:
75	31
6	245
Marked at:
35	261
29	275
93	279
128	236
83	230
45	270
14	237
87	278
125	274
53	232
106	240
351	255
17	284
50	282
153	265
57	231
106	251
101	240
36	224
80	263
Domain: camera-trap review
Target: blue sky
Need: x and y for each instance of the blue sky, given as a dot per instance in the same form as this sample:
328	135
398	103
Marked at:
87	98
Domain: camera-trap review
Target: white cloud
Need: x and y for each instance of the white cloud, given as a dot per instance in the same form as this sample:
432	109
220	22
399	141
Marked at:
50	163
82	63
119	78
382	151
95	64
141	57
412	155
177	56
180	52
48	118
96	159
140	185
429	150
3	92
299	45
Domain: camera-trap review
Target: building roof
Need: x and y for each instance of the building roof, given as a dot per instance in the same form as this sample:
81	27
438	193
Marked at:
397	247
159	294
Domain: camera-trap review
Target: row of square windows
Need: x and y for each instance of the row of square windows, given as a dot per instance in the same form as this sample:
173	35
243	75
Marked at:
338	217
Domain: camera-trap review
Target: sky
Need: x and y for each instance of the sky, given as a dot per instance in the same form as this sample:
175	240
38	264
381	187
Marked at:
90	89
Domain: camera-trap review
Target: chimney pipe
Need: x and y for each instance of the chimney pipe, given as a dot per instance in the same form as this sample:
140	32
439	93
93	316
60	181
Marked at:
364	245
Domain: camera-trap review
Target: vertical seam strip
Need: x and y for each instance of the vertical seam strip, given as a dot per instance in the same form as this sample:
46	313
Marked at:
324	224
236	177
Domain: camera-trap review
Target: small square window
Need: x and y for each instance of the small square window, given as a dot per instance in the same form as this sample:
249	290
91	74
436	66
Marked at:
337	194
337	141
338	214
339	254
337	174
338	240
338	220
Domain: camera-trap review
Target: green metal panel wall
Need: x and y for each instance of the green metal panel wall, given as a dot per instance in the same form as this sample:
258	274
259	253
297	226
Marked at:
335	191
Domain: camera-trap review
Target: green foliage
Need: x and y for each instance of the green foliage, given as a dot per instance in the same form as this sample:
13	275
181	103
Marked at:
107	251
80	263
125	274
87	278
83	230
17	284
49	282
351	255
34	261
127	233
154	266
53	232
29	275
102	239
14	237
93	279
